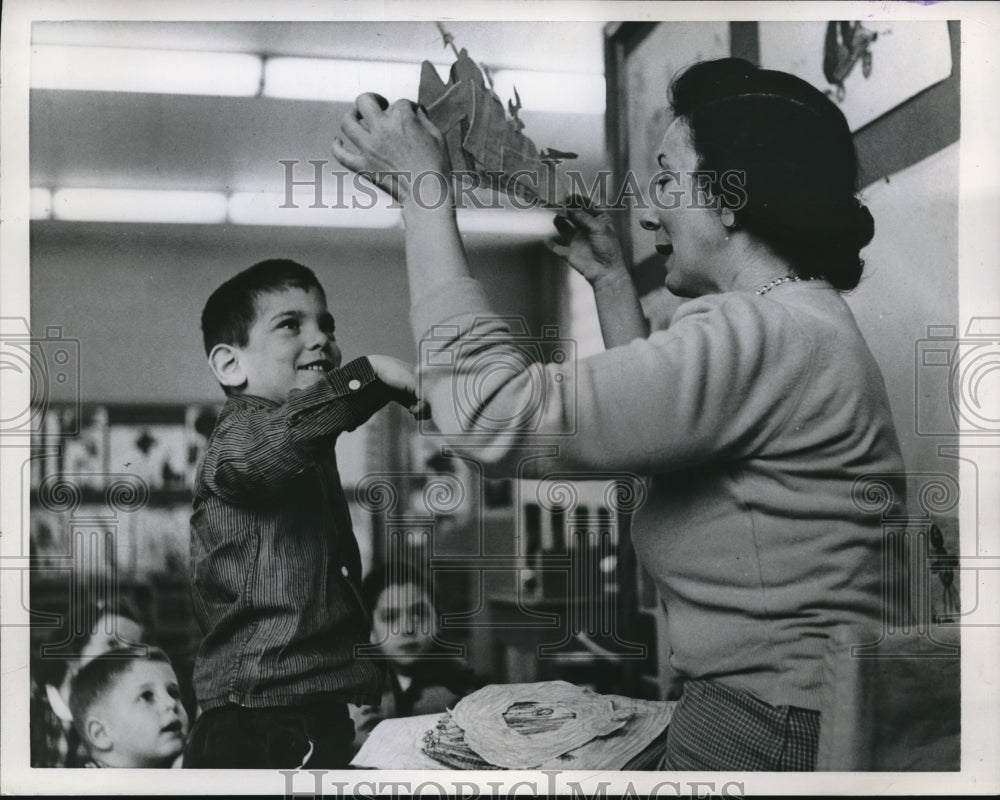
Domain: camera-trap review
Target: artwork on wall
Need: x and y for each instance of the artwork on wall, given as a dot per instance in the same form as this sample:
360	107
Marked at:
867	68
155	453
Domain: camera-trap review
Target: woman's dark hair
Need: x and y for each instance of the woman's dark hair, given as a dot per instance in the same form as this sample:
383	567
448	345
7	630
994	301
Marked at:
794	149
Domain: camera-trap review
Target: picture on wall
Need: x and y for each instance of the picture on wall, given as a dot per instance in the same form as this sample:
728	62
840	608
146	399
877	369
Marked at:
867	68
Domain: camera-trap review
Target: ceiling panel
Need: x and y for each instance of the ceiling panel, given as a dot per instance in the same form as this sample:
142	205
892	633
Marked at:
556	46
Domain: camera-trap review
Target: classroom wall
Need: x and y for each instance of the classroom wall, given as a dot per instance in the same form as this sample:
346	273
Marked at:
910	283
132	296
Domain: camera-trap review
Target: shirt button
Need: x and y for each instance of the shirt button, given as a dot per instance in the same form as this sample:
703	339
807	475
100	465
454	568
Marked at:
354	384
344	571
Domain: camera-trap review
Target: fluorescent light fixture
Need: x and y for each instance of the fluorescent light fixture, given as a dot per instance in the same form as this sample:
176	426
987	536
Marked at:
529	224
139	205
557	92
266	208
116	69
358	210
341	80
41	203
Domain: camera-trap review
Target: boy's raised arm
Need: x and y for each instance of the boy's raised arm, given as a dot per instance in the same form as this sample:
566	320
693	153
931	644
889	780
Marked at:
257	450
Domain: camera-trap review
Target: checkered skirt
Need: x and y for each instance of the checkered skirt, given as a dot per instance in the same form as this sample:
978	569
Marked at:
716	727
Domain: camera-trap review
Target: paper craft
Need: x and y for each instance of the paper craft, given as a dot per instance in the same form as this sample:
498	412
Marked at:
435	741
396	744
523	725
622	749
482	139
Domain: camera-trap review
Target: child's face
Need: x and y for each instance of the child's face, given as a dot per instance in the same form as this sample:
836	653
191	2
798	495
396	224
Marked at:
291	344
144	719
403	623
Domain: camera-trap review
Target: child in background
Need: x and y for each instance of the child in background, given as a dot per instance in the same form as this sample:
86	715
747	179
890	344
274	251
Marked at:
422	678
54	742
275	565
127	709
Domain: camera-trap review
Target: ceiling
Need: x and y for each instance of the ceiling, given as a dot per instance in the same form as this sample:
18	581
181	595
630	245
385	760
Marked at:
158	141
551	46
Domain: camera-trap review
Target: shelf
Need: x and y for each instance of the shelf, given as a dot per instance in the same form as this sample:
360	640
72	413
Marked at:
158	498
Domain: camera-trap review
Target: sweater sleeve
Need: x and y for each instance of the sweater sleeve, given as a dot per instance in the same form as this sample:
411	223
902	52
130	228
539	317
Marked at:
257	450
713	387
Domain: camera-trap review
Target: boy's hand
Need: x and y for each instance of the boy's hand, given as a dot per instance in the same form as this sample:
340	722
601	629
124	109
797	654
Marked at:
399	377
397	138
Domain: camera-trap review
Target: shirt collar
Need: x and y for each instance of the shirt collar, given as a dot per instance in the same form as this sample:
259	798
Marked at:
237	402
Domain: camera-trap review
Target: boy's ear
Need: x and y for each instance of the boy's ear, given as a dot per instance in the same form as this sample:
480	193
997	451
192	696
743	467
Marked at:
98	734
225	363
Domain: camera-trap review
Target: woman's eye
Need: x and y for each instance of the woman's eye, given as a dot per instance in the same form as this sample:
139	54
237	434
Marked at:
291	324
146	697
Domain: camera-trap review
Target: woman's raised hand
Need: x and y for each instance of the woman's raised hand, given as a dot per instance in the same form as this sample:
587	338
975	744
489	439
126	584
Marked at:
588	242
392	144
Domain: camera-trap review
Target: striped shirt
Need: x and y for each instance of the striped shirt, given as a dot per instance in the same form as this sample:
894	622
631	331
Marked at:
274	562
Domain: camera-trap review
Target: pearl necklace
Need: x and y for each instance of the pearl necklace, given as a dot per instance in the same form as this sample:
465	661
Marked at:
783	279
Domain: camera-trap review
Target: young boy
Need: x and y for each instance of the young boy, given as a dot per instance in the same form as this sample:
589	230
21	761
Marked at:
127	708
423	678
275	565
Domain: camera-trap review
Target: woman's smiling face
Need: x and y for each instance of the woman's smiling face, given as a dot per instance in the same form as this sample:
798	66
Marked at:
688	227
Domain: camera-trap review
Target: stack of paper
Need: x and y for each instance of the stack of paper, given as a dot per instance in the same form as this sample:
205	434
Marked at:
547	725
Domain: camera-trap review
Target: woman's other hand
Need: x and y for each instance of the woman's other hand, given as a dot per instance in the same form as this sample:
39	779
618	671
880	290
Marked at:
588	242
392	145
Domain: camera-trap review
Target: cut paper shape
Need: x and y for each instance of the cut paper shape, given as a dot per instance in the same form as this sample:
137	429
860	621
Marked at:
482	139
524	725
633	746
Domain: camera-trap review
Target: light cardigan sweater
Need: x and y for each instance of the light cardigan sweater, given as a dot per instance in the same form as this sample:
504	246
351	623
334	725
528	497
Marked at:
752	417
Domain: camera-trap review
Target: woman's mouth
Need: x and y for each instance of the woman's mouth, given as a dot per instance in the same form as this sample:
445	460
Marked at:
173	727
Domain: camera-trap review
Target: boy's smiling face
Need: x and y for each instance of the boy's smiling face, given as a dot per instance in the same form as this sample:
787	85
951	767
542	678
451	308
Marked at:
290	344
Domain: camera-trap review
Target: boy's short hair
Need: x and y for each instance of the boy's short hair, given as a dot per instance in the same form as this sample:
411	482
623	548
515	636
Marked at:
232	308
96	678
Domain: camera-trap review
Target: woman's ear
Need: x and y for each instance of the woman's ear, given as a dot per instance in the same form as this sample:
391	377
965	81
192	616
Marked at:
225	362
728	217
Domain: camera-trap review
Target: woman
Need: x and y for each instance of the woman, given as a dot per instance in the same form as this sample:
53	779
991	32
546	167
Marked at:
753	415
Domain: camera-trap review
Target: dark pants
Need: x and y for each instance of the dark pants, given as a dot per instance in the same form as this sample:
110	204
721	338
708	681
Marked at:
233	737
